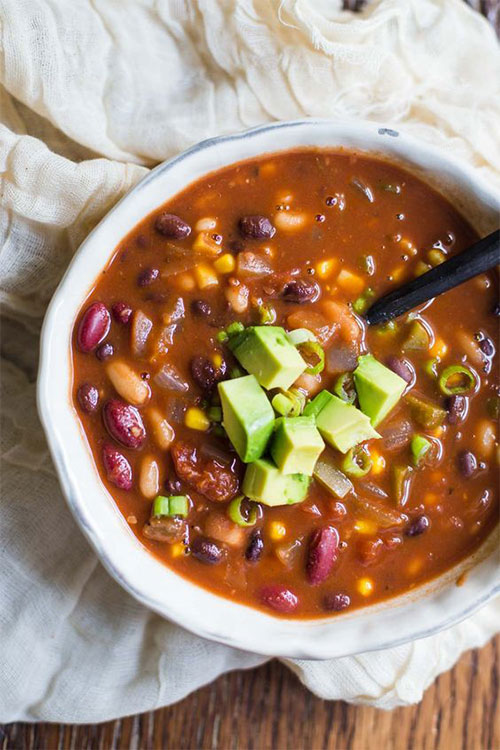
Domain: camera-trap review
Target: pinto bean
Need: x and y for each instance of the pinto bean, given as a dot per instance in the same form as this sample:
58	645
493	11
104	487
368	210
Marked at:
322	553
300	291
117	468
88	397
206	551
94	327
121	312
256	227
128	383
172	226
279	597
124	423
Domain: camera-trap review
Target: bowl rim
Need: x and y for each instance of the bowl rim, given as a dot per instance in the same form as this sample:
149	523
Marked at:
228	622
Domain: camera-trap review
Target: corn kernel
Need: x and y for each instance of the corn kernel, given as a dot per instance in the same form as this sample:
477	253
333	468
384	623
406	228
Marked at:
439	348
378	461
365	586
362	526
204	243
325	268
277	530
225	264
196	419
205	276
217	360
350	282
178	549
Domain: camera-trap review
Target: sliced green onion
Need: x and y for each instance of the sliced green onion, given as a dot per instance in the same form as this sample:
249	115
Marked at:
300	336
235	327
215	414
424	412
314	407
235	514
462	377
430	367
357	462
289	403
174	505
312	347
419	447
282	404
418	337
344	388
361	304
267	314
222	337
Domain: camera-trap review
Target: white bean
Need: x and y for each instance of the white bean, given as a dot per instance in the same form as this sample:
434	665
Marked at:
163	432
149	477
128	383
485	438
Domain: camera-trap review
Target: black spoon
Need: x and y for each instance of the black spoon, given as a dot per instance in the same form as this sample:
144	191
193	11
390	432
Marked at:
476	259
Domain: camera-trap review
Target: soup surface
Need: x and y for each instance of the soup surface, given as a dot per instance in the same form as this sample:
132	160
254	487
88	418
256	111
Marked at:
255	434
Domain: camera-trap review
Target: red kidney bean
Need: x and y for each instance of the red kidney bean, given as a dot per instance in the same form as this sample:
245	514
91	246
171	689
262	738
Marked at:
124	423
401	367
172	226
418	526
88	397
255	547
206	551
104	351
256	227
121	312
118	469
457	407
94	327
487	348
467	463
279	597
203	373
300	291
322	553
201	307
336	602
147	276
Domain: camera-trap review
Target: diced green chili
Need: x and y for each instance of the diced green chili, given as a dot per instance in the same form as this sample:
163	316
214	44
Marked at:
424	412
357	462
300	336
419	447
267	314
400	477
461	376
312	347
174	505
235	513
289	403
418	337
360	305
430	367
344	388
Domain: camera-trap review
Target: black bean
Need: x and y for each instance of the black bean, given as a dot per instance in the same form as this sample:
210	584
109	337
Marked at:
256	227
88	397
457	408
147	276
401	367
206	551
496	310
255	547
104	351
201	307
336	602
172	226
173	485
121	312
300	291
203	372
418	526
467	463
487	348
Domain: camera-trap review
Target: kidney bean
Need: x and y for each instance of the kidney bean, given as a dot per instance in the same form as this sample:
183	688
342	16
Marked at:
457	407
467	463
147	276
94	327
203	373
300	291
172	226
104	351
255	547
118	469
88	397
256	227
322	553
487	348
278	597
418	526
121	312
124	423
336	602
401	367
206	551
201	307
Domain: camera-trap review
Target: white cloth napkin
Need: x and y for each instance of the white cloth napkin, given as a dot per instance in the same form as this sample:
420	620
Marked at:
92	93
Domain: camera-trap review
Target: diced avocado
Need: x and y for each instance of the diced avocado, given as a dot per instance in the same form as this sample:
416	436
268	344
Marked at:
343	425
314	407
248	417
266	352
266	484
296	445
379	389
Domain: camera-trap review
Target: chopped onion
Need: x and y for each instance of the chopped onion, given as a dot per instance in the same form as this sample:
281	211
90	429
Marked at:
372	489
340	359
332	478
382	515
170	379
251	264
139	332
396	435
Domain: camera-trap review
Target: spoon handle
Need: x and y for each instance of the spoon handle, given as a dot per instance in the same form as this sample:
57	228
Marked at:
476	259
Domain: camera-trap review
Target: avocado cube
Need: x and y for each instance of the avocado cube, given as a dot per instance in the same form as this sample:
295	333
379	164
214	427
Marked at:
247	415
266	352
378	388
296	445
266	484
343	426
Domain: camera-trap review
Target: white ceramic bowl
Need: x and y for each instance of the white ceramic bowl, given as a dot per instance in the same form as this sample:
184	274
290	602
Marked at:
415	615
